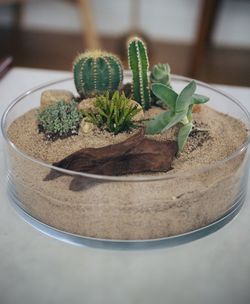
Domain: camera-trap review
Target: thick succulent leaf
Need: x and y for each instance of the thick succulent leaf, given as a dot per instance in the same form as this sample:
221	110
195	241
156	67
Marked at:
165	94
178	117
189	113
198	99
183	135
156	124
184	99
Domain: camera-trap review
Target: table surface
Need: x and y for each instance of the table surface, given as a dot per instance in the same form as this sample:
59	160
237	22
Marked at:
35	268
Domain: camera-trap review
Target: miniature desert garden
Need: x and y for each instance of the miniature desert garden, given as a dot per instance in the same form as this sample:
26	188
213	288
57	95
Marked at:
130	155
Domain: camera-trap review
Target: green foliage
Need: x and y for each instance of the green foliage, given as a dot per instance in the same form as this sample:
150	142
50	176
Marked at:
183	135
97	72
161	74
115	114
139	64
179	110
59	120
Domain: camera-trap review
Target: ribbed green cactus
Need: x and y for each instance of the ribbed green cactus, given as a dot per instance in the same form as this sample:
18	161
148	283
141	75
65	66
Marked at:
97	72
138	63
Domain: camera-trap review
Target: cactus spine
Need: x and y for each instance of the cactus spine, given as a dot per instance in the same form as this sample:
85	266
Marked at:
97	72
139	64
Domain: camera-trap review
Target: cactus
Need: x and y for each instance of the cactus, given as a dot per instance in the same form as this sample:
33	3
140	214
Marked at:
97	72
138	63
161	74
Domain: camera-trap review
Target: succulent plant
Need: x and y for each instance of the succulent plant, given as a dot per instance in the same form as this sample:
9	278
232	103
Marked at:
139	64
161	74
179	111
97	72
114	114
59	120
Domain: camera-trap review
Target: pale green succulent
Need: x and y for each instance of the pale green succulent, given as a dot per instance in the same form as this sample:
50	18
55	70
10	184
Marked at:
179	110
161	74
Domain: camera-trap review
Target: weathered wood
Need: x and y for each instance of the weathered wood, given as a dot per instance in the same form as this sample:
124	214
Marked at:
137	154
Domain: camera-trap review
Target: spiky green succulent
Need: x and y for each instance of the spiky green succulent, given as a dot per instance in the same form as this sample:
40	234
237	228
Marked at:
96	72
139	65
179	111
59	120
114	114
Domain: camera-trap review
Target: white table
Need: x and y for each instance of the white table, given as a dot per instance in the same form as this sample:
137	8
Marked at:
35	268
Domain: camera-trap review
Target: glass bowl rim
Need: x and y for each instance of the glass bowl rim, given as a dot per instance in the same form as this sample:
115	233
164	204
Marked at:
130	178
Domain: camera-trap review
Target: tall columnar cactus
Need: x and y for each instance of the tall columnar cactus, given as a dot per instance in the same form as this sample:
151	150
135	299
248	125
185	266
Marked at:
97	72
138	63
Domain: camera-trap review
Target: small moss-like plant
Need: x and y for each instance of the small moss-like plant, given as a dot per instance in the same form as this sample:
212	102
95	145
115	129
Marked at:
113	114
179	111
59	120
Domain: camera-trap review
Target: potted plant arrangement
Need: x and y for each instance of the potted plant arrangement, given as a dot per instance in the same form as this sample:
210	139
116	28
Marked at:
127	160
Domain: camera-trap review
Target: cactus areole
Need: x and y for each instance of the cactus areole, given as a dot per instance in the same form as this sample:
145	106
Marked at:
139	65
97	72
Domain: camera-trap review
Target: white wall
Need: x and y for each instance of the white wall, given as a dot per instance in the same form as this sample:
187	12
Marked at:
170	20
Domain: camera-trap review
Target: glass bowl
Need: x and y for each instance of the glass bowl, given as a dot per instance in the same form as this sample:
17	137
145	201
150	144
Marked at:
127	211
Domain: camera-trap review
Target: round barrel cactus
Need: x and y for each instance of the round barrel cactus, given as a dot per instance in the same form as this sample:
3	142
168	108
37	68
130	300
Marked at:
97	72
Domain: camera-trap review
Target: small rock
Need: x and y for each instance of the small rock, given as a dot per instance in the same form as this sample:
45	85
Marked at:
49	97
86	127
196	108
87	104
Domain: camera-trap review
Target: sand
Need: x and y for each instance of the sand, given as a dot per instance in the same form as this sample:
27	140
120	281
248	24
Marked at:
131	210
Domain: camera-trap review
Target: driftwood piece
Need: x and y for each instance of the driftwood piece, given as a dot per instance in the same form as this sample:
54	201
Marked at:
134	155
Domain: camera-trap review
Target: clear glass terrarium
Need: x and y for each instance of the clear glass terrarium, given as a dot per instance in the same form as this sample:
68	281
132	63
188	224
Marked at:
135	211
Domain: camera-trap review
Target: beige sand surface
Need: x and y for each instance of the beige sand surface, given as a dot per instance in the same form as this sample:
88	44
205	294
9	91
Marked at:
130	210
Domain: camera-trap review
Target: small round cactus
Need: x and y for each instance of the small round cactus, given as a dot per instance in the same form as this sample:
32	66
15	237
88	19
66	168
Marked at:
97	72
